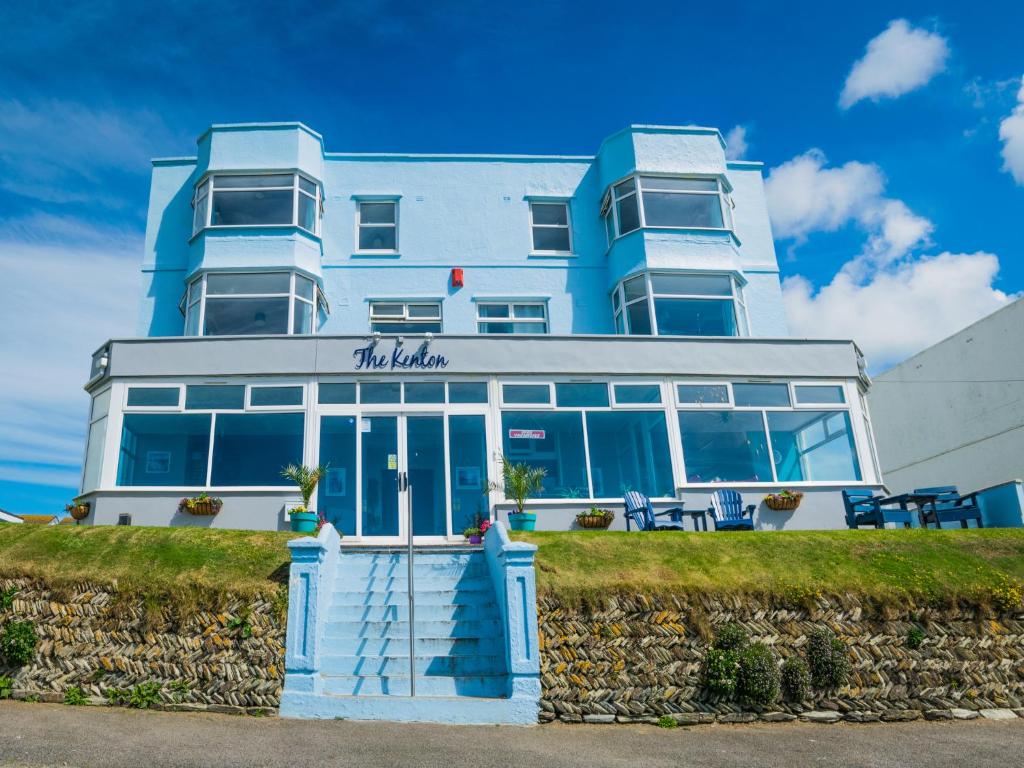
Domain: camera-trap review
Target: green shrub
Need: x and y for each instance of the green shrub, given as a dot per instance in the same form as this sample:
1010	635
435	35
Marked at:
667	721
75	696
915	637
757	679
18	642
116	696
731	637
144	695
827	659
795	679
7	598
6	686
720	670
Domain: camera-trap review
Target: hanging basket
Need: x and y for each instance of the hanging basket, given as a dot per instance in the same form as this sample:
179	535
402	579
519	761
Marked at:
203	506
79	511
783	502
601	520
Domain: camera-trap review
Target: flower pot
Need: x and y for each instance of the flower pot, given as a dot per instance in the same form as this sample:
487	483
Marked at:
478	539
304	522
79	511
522	521
594	521
781	503
203	507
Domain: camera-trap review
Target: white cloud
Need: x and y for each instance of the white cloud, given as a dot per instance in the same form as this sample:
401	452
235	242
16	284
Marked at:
899	60
68	286
736	142
900	310
806	196
1011	133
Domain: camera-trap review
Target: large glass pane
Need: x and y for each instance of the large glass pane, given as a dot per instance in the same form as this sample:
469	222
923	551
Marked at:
425	453
629	214
626	394
767	395
526	393
253	180
251	208
270	396
813	445
639	318
551	239
578	395
336	493
634	288
232	283
418	326
819	393
424	392
700	394
192	320
670	209
94	454
164	449
253	448
304	288
629	452
427	311
467	392
202	397
512	327
724	446
199	217
307	213
552	440
302	320
377	213
377	238
153	397
681	284
380	392
246	317
695	317
467	443
336	393
625	187
550	213
307	186
493	310
682	185
379	475
528	311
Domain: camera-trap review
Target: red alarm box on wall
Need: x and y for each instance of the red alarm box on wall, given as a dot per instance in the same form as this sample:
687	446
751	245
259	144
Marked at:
457	277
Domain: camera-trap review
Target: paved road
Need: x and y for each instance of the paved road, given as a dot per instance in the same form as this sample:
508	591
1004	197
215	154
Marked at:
44	735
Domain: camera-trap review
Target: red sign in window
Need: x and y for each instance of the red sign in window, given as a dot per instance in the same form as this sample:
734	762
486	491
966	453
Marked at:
526	434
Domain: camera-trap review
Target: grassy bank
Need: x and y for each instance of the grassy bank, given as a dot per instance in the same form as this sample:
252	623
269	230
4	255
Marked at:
975	566
152	561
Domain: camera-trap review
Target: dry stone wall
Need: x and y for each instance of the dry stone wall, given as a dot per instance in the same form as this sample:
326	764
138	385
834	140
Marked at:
637	657
229	660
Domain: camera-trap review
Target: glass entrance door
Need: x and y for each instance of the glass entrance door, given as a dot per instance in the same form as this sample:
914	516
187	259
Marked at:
380	506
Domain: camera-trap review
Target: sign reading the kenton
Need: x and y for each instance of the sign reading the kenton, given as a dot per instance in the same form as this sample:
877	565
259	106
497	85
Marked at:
368	359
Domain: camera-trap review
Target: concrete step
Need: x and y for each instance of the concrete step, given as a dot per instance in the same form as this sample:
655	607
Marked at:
423	597
421	582
424	628
488	686
399	611
400	576
398	664
425	646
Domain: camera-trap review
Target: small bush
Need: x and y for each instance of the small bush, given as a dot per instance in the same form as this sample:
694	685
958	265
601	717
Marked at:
795	679
116	696
7	598
720	670
75	697
757	679
827	659
18	642
731	637
144	695
6	686
667	721
915	637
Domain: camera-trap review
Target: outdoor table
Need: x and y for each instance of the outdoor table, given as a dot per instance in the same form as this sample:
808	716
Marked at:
905	499
698	516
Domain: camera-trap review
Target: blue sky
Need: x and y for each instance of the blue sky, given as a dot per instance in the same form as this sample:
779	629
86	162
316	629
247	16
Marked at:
893	135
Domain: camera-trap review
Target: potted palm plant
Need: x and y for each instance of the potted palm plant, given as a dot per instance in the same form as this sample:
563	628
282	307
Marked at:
302	520
519	482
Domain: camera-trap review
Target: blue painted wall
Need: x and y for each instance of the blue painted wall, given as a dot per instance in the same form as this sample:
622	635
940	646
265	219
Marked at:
470	212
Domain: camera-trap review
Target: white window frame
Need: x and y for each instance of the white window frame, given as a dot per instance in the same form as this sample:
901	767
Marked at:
612	197
739	307
549	405
511	304
567	226
679	403
206	187
188	303
359	224
404	317
155	408
638	406
818	406
264	385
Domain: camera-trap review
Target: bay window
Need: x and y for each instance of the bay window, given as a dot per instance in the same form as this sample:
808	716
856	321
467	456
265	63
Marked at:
251	303
257	200
666	202
679	304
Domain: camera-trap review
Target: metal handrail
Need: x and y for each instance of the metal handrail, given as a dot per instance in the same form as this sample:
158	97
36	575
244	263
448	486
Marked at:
412	592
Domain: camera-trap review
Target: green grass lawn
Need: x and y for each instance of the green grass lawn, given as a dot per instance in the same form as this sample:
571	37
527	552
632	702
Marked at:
889	565
156	561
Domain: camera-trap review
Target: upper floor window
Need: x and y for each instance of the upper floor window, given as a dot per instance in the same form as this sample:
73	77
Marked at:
377	225
251	303
512	317
257	200
550	228
668	202
679	304
405	317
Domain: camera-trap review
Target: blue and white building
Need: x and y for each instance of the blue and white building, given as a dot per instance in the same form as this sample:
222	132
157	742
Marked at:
616	318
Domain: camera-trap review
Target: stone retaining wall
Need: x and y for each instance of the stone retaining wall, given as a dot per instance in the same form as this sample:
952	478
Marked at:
637	658
91	637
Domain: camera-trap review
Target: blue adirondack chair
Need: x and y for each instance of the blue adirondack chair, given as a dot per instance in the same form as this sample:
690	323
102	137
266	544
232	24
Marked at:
863	508
728	512
949	507
640	512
